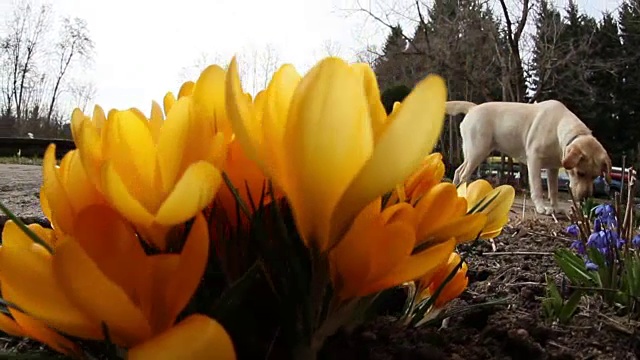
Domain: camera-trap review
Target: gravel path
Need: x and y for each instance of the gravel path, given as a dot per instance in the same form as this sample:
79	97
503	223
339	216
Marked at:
19	191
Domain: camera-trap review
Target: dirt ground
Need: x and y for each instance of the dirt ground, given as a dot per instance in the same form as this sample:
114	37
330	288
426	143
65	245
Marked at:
513	268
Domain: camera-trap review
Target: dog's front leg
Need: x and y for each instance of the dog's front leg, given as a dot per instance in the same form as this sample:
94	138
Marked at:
552	186
535	185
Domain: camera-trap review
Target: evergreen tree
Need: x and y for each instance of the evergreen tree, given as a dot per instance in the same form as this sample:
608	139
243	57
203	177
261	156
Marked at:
549	26
395	43
605	80
628	126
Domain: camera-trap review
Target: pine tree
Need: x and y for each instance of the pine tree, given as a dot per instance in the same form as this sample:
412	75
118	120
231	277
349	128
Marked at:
629	21
549	26
395	43
605	81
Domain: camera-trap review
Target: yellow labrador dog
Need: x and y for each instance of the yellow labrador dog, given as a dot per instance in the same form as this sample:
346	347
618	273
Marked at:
544	135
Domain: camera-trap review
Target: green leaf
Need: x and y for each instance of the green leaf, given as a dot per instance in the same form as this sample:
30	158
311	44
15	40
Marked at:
552	303
236	195
573	267
232	298
632	274
570	307
422	309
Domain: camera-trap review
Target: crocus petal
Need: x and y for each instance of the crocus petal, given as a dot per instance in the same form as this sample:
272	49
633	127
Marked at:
352	259
9	326
409	137
476	191
155	121
498	210
46	235
184	281
27	279
113	246
44	204
376	109
206	339
329	137
464	229
173	139
77	183
38	330
454	288
241	115
77	118
280	91
89	144
131	148
119	197
186	89
437	208
98	297
359	263
57	197
209	99
192	193
414	267
167	103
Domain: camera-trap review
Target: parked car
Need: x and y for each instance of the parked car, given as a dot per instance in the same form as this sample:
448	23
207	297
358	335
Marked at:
616	178
563	179
491	169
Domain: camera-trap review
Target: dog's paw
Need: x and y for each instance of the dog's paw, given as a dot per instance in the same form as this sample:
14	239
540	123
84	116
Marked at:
540	209
550	210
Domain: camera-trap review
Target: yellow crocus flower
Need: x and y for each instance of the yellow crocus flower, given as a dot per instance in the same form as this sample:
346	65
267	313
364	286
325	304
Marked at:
430	282
66	190
156	173
332	148
206	339
101	275
421	181
443	214
495	203
22	325
377	251
208	106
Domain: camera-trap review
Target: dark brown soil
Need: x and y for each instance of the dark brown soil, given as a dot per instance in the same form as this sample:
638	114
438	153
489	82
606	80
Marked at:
514	271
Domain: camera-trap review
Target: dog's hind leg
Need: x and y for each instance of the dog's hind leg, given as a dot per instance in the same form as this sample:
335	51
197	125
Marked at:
475	152
457	174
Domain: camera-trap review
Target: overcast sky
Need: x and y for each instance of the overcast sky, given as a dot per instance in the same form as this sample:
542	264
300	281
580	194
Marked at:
143	46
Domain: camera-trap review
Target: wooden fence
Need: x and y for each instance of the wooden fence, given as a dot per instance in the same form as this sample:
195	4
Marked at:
33	147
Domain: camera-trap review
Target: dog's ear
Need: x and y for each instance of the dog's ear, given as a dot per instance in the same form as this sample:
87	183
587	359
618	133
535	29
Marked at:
571	157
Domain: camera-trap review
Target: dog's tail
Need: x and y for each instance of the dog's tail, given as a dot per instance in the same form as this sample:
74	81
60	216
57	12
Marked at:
459	107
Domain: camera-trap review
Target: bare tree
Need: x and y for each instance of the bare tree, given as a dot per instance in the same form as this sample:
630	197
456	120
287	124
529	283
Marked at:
74	44
513	69
331	48
201	62
256	67
82	93
20	50
368	55
270	61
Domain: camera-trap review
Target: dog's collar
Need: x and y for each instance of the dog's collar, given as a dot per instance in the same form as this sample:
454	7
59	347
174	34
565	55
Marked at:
572	140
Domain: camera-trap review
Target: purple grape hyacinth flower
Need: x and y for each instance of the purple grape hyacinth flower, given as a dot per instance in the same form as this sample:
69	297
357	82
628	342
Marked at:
573	230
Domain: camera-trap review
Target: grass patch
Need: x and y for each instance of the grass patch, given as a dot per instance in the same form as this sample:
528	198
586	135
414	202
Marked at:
21	160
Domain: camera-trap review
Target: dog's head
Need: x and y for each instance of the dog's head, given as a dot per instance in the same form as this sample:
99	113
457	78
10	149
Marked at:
585	159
